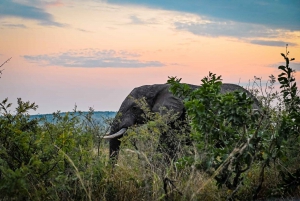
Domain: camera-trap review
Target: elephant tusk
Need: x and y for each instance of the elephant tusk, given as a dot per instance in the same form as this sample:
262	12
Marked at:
117	134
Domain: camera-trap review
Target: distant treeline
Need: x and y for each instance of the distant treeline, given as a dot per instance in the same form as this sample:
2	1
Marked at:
98	116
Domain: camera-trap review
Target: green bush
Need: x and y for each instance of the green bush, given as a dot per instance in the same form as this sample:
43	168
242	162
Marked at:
42	160
231	138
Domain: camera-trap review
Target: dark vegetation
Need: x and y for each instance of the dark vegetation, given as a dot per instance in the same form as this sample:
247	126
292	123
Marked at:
235	153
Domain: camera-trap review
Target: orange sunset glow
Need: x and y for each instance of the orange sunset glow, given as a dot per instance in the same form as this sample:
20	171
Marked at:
93	53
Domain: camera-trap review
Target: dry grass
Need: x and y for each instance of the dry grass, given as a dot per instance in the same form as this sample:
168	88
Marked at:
137	177
140	175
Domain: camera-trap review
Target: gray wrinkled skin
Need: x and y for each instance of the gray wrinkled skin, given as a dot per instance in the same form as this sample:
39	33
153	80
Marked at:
156	96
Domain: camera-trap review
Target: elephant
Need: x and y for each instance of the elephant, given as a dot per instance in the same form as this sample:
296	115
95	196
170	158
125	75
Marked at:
156	96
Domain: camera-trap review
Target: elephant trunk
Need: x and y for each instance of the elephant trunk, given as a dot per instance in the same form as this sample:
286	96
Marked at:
114	144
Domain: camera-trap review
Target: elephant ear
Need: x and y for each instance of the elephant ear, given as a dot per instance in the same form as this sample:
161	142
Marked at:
166	99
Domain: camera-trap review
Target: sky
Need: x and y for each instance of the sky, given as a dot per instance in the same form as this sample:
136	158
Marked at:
93	53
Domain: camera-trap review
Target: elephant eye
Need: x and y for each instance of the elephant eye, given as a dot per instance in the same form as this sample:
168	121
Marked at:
135	109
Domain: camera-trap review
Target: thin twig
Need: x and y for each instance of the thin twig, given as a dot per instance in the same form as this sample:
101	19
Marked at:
5	62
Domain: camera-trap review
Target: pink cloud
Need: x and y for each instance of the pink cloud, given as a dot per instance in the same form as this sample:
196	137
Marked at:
57	3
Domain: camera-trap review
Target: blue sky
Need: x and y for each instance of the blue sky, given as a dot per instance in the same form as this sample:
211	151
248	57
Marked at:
280	14
94	52
28	10
242	19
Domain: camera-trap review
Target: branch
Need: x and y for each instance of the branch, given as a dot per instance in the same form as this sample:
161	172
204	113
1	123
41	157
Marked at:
3	64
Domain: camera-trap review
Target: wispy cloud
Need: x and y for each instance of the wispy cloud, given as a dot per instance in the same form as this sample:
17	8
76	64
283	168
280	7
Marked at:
242	31
253	21
93	58
225	28
137	20
83	30
10	8
272	43
294	65
13	25
56	3
272	14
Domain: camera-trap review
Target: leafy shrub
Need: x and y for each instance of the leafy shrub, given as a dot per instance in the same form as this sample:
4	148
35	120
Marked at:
43	160
231	138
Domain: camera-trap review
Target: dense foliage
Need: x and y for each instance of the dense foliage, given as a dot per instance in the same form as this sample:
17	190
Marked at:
224	150
41	160
231	137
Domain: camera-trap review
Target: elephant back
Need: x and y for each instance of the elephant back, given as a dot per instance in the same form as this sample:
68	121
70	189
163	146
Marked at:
226	88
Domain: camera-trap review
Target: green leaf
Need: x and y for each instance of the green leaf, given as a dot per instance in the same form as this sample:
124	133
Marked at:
283	68
282	74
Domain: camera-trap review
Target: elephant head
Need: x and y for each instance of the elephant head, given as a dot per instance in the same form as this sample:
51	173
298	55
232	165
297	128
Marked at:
156	96
130	113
